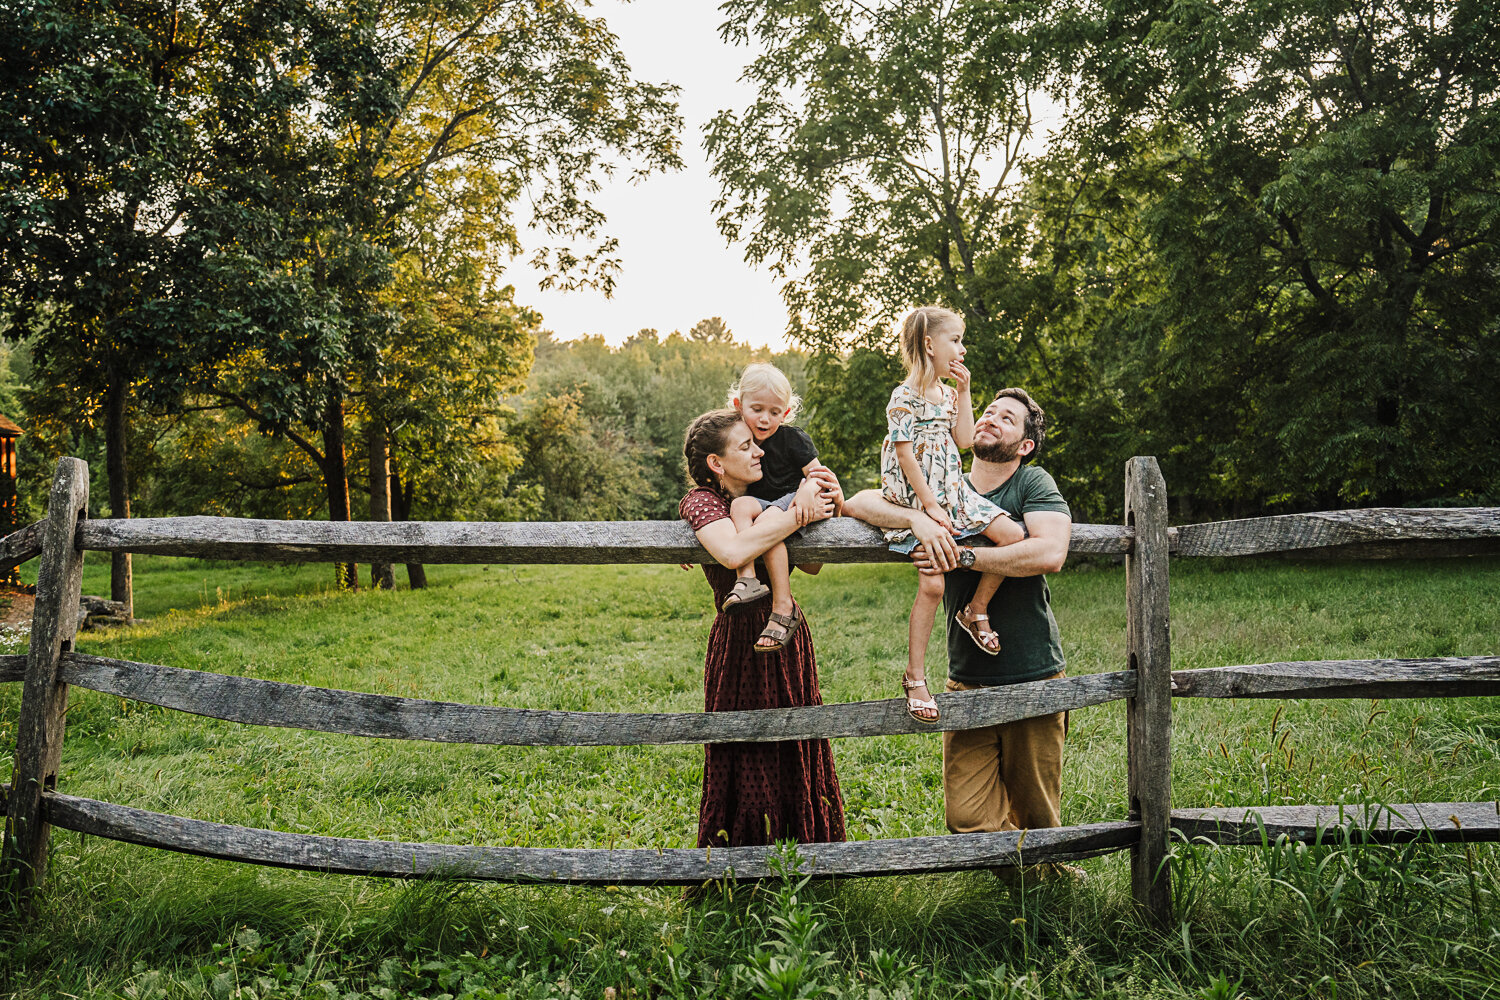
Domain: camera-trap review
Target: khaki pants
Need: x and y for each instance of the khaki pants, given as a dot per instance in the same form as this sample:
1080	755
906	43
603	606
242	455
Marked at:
1005	777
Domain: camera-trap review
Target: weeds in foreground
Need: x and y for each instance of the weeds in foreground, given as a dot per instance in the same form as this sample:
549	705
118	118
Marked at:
1299	921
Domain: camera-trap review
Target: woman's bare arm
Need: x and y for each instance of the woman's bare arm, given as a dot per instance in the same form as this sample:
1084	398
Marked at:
734	549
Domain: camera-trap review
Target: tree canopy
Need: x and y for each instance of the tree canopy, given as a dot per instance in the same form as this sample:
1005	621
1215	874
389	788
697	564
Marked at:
1259	243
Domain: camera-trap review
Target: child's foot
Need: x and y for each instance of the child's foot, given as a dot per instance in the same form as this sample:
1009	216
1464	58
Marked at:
983	638
746	590
919	708
778	631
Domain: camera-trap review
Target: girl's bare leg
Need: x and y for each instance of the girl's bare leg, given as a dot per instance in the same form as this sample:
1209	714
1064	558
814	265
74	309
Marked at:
1001	531
918	632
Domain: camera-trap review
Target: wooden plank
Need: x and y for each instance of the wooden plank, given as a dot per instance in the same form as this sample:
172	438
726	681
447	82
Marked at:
1378	532
633	866
13	667
1441	822
842	539
272	703
1148	644
44	696
1441	677
20	546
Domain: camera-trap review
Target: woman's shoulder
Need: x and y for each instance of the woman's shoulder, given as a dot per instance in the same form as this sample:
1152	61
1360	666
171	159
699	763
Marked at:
702	506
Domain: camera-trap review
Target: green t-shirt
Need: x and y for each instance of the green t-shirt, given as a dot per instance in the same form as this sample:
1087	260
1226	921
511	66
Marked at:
1021	611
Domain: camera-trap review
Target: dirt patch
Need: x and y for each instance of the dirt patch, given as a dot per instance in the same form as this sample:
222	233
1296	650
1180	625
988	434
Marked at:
15	606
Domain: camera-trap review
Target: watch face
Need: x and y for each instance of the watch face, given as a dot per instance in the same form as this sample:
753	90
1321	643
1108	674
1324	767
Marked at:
966	558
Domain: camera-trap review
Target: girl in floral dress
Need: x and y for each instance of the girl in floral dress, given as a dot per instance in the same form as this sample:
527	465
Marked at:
926	424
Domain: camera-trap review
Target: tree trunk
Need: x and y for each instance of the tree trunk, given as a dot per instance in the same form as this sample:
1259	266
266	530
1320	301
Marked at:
116	463
336	478
378	449
416	575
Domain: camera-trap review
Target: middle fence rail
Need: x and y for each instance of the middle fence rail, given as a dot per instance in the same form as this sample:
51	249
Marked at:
33	803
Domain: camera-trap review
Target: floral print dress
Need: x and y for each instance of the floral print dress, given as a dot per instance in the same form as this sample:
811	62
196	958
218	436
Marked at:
929	427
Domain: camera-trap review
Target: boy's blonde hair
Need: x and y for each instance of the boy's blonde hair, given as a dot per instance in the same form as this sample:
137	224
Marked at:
762	375
920	324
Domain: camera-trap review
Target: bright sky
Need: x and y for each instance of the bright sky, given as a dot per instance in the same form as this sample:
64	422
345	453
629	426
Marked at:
677	268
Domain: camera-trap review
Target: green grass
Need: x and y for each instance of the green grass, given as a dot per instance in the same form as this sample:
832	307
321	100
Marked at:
1281	921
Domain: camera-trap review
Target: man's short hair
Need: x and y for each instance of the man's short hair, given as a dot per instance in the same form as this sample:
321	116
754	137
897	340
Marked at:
1036	420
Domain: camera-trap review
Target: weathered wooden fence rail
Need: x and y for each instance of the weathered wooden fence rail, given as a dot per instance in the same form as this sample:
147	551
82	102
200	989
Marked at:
32	803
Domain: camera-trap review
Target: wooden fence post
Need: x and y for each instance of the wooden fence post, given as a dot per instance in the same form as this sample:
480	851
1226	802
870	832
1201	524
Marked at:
1149	714
44	697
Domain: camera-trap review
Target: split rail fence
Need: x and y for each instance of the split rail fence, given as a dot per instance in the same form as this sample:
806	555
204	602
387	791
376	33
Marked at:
34	804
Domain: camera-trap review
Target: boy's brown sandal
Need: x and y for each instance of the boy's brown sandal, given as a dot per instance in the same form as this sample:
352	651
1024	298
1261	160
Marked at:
779	630
746	590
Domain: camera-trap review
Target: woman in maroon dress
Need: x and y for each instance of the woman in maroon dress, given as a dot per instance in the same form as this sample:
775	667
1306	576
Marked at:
754	793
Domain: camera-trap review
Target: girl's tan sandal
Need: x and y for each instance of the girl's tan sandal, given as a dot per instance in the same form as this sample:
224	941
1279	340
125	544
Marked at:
982	637
915	704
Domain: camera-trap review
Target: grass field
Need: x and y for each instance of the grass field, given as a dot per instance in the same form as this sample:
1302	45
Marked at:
1277	922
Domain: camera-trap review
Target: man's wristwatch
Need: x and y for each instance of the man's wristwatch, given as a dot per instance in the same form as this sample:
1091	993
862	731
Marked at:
965	557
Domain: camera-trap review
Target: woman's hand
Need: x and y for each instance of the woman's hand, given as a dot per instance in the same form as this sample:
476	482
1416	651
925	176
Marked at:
961	376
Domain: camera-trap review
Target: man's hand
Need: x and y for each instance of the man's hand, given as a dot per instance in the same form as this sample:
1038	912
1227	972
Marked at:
935	543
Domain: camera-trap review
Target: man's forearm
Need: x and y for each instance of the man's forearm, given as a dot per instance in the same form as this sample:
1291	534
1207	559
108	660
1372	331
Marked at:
1028	557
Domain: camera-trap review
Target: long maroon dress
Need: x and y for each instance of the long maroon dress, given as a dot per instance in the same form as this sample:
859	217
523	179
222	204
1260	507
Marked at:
754	793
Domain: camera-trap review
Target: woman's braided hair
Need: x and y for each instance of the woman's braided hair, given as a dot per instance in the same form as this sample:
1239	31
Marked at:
705	436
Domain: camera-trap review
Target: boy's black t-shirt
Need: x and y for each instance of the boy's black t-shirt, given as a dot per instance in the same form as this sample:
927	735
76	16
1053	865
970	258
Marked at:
787	453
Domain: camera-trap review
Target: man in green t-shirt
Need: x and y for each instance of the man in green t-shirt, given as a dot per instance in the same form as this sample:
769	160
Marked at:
1005	777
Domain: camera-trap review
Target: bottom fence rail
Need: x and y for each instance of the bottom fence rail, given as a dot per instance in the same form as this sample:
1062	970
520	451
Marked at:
1438	822
595	866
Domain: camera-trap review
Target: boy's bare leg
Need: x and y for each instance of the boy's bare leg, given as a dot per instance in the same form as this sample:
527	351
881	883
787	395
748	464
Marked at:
779	569
742	513
918	632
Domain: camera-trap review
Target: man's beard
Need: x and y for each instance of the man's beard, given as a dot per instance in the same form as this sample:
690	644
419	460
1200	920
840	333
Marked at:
998	452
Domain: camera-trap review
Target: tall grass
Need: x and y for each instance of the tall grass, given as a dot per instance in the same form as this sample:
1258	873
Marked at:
1278	921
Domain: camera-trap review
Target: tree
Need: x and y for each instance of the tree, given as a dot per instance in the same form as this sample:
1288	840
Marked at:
642	395
97	151
579	470
487	104
880	149
438	408
711	331
1311	187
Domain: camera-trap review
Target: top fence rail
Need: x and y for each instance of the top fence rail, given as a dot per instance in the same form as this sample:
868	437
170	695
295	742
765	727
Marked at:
1374	533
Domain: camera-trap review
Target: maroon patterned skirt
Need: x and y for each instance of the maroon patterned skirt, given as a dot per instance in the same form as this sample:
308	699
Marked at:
756	793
